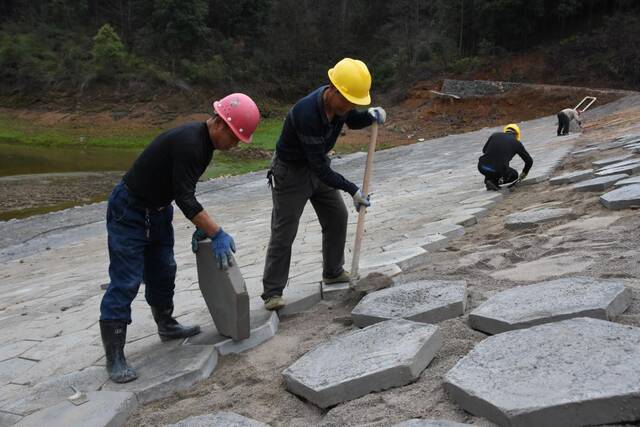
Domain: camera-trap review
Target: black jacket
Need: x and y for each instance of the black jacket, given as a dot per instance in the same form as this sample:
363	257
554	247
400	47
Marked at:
500	149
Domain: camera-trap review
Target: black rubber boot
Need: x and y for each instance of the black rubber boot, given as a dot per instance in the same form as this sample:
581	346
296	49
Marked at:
491	186
114	336
169	328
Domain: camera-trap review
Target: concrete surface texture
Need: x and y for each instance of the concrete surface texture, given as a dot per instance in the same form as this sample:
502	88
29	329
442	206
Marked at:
427	301
221	419
53	265
531	218
224	292
622	198
552	301
572	373
599	184
429	423
570	177
387	354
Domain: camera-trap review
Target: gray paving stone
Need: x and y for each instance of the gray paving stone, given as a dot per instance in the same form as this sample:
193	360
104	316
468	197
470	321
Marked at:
15	349
532	218
264	325
599	184
632	161
628	169
218	419
428	242
399	257
611	160
418	422
167	370
584	151
390	270
104	409
572	373
55	390
622	198
225	294
572	177
426	301
447	228
627	181
387	354
11	369
300	297
552	301
7	420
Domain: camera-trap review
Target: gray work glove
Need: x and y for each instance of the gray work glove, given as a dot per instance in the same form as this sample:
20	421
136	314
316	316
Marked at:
198	235
378	114
359	200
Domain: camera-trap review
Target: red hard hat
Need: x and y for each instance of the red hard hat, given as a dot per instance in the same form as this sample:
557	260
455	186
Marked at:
240	113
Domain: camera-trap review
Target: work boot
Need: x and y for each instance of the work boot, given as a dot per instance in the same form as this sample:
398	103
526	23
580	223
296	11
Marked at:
169	328
340	278
114	336
491	186
274	303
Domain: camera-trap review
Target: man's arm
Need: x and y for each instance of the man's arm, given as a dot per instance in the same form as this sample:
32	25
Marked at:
526	158
204	222
358	119
318	161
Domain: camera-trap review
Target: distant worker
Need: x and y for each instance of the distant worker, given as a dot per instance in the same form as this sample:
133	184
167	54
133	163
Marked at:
564	120
498	152
140	230
301	172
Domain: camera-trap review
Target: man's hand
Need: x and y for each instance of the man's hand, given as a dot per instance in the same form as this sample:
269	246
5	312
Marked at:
198	235
522	177
378	114
222	245
359	200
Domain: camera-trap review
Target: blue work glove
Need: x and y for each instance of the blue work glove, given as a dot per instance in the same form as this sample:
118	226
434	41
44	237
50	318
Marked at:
197	236
360	200
222	245
378	114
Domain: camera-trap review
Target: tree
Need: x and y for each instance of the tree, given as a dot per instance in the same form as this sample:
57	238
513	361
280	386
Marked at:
109	54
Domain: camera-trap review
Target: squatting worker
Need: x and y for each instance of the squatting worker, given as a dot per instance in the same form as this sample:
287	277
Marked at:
301	171
139	216
497	153
564	120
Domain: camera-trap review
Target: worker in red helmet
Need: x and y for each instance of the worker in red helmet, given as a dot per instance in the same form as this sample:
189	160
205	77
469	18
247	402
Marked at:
139	223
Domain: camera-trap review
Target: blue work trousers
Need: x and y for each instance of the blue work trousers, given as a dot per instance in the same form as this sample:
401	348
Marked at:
140	249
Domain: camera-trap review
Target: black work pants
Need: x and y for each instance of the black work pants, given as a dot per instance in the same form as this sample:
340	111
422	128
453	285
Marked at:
292	187
563	124
505	176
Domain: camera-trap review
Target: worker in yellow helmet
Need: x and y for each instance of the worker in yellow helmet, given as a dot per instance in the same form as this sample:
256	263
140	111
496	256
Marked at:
498	152
301	171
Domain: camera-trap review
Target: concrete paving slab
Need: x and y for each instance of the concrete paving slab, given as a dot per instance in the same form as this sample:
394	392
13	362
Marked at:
15	349
264	326
622	182
622	198
419	422
335	291
7	419
543	268
599	184
104	409
428	242
168	370
571	177
552	301
426	301
572	373
631	161
11	369
388	354
218	419
55	390
445	227
612	160
300	297
390	270
584	151
225	294
399	257
628	169
532	218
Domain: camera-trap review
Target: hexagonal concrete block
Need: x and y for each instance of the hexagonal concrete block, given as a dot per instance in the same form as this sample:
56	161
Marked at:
599	184
264	325
552	301
221	419
535	217
426	301
104	409
622	198
225	294
387	354
572	373
418	422
570	177
168	369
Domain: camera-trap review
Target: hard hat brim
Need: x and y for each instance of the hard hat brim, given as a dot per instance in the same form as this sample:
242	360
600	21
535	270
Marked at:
365	100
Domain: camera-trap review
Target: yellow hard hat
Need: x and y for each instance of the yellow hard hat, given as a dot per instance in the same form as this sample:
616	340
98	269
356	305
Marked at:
352	78
513	127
